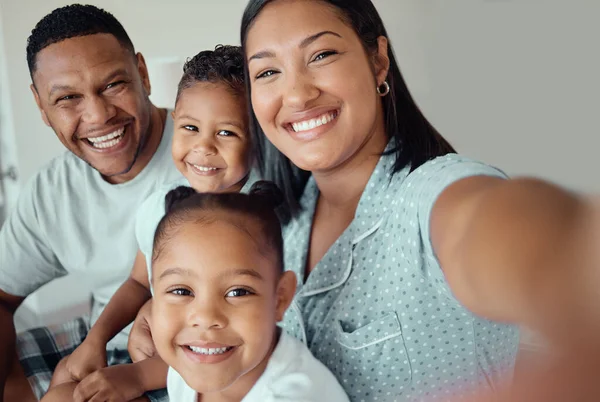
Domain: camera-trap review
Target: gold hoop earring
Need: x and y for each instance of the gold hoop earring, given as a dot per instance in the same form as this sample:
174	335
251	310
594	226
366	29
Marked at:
383	89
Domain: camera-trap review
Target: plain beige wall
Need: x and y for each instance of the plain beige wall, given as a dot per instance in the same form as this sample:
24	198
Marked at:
513	83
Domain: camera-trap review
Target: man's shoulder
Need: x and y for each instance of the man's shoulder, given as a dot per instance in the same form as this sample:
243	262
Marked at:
60	170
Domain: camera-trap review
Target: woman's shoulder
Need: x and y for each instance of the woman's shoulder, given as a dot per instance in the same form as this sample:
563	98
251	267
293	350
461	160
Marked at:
424	184
451	166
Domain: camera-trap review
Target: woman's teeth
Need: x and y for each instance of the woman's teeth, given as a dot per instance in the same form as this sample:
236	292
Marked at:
209	351
108	140
312	123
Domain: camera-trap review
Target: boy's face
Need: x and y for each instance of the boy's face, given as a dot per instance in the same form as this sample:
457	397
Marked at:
211	145
218	295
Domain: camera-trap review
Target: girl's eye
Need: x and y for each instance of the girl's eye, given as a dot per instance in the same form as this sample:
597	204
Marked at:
225	133
238	292
189	127
180	292
266	74
324	55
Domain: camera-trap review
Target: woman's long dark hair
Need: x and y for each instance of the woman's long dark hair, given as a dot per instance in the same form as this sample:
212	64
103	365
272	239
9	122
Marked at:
416	139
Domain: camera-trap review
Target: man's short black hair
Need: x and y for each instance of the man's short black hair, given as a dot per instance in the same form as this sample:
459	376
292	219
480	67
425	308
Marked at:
72	21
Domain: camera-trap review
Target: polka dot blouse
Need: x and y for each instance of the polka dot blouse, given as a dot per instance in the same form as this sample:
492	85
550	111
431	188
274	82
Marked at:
377	309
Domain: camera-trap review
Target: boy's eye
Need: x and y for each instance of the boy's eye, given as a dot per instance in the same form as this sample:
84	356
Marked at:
226	133
189	127
180	292
238	292
324	55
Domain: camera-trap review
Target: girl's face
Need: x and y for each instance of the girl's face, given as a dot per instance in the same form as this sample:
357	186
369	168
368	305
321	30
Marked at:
218	295
211	144
314	85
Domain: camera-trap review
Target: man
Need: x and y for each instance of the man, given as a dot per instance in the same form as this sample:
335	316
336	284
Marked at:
76	214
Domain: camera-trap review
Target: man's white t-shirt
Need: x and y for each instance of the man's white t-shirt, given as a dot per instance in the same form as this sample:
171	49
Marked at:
68	219
293	374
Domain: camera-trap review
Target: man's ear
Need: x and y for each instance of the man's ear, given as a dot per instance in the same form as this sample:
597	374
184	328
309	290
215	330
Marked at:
143	70
38	102
286	289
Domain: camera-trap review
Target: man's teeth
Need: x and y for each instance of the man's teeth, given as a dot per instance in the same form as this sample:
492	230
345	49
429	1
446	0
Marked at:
209	351
204	168
108	140
312	123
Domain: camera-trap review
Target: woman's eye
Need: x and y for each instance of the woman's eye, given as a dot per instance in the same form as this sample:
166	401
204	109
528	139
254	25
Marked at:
324	55
238	293
180	292
266	74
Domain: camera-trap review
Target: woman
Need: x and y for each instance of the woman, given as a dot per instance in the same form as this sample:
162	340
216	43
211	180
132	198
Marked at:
401	246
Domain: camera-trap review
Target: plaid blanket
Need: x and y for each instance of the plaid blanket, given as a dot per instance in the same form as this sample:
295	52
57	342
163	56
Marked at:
40	350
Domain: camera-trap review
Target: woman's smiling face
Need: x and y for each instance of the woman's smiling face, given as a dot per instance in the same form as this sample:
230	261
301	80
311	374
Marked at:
313	84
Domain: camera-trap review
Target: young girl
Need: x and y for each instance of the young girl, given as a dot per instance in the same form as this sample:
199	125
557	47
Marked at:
211	148
219	290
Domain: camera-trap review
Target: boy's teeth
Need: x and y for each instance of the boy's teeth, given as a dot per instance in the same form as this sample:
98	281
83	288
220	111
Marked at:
204	168
208	351
312	123
108	140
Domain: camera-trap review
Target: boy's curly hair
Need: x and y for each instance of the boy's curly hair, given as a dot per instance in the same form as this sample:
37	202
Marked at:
225	64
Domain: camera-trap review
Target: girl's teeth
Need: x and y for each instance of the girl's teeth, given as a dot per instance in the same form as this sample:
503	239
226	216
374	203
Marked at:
208	351
312	123
204	168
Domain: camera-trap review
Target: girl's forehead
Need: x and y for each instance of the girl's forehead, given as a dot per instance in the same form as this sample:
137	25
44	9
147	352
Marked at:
219	230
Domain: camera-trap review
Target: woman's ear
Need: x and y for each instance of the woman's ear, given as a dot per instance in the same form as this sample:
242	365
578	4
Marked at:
286	289
381	60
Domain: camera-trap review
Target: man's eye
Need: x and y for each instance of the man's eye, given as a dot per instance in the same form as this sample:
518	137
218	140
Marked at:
114	84
66	98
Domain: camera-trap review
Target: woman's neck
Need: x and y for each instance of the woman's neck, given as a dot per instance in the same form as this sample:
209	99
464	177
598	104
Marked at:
341	188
